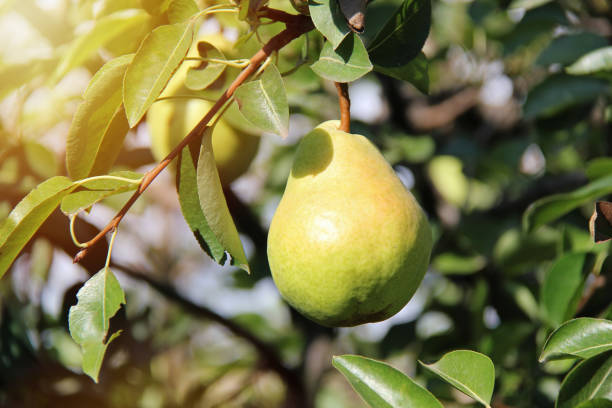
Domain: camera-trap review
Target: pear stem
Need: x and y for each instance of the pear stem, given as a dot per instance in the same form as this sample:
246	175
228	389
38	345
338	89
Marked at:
345	106
296	26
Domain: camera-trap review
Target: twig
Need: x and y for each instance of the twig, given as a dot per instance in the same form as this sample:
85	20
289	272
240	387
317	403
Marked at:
296	26
345	106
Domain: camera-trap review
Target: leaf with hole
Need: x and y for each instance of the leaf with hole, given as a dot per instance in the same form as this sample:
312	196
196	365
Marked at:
99	126
263	102
89	320
201	76
158	57
381	385
468	371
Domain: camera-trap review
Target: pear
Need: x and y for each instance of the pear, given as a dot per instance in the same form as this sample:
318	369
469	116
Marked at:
348	243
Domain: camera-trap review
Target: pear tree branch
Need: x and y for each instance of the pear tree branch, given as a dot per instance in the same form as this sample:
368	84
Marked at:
345	106
296	26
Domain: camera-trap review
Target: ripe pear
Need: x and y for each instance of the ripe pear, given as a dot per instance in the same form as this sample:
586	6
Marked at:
348	244
170	121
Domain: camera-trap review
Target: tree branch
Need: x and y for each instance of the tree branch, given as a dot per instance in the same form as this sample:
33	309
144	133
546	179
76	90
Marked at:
345	106
299	25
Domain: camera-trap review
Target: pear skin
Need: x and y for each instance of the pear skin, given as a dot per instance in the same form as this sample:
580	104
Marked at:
348	243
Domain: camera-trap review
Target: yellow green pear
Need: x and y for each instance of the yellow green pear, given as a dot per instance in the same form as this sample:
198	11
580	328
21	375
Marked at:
348	244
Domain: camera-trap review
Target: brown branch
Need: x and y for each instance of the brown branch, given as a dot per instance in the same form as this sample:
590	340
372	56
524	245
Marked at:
299	25
345	106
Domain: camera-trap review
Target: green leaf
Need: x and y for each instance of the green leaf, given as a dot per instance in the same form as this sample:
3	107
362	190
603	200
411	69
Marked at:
158	57
97	191
98	300
263	102
568	48
381	385
596	403
589	380
201	76
416	72
584	337
550	208
187	187
27	216
203	203
345	64
562	287
329	20
592	62
99	126
599	167
559	92
15	75
155	7
470	372
104	30
182	10
528	4
403	36
449	263
40	159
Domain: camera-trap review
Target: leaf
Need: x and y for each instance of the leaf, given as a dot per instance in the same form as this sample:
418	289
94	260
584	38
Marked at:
550	208
600	224
329	20
449	263
568	48
203	204
182	10
591	379
559	92
596	403
381	385
99	126
97	191
592	62
263	102
206	73
598	168
584	337
403	36
158	57
187	188
98	300
15	75
416	72
563	285
104	30
155	7
470	372
28	215
528	4
346	64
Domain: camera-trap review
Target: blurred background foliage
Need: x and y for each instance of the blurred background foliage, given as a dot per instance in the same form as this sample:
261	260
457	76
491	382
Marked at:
505	125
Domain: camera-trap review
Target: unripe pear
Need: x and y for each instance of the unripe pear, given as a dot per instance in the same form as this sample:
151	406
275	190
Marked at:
348	243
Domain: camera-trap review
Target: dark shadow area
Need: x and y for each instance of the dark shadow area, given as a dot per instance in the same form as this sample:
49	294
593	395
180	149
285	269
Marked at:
313	155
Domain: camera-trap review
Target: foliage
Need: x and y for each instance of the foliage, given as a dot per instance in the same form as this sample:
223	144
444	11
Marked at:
495	113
